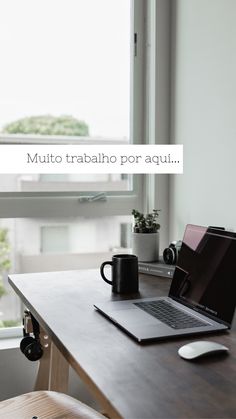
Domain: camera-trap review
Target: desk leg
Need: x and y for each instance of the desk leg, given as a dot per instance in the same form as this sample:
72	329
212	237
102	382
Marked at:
59	371
53	371
42	379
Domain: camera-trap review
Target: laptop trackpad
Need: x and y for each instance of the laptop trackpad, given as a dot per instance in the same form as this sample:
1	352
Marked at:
133	316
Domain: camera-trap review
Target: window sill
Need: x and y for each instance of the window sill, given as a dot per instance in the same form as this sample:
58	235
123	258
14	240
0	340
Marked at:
11	332
10	343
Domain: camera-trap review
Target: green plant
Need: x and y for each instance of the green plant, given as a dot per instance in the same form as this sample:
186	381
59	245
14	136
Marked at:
48	125
10	323
146	223
2	289
5	262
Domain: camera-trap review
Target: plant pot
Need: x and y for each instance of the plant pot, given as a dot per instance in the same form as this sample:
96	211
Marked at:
146	246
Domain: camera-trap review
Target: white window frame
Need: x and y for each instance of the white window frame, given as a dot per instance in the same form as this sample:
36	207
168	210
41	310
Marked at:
68	204
20	205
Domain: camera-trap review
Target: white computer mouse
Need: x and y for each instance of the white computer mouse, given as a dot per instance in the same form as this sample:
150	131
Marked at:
199	348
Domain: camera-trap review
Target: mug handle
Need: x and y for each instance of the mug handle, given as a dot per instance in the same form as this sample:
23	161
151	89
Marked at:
102	271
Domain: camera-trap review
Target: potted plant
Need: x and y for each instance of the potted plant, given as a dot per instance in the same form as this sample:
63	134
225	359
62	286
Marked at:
145	236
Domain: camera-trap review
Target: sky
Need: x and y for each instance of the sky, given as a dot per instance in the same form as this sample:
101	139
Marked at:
69	57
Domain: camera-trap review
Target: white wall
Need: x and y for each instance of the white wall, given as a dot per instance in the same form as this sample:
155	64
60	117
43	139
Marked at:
204	113
17	379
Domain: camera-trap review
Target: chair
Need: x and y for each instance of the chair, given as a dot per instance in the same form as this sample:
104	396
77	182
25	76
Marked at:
46	405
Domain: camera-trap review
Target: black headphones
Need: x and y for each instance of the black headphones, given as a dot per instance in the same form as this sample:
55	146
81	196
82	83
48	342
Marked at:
30	346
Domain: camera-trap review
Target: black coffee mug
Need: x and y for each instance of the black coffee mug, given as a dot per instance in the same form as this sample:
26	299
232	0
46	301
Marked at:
124	273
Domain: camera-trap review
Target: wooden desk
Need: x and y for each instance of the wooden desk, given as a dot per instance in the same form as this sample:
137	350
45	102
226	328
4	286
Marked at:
130	380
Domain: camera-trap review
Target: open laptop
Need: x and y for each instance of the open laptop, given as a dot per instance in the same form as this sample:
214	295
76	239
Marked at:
202	296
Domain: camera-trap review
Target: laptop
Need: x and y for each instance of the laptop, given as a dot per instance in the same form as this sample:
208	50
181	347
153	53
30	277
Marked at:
202	295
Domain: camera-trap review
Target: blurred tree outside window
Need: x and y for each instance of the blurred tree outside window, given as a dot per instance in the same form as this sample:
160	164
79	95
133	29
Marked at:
5	265
48	125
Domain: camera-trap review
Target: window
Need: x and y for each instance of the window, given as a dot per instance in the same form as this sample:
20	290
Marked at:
54	239
54	81
73	74
65	182
46	244
70	60
125	235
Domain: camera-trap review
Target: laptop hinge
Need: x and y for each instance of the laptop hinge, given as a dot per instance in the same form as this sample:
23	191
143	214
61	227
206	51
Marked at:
197	310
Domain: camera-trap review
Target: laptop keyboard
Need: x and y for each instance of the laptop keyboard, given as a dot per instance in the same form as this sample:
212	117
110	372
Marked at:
170	315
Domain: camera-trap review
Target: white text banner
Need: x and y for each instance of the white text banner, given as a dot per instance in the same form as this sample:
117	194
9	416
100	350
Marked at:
97	159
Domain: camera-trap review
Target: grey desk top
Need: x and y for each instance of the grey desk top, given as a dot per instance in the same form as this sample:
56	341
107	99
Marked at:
146	382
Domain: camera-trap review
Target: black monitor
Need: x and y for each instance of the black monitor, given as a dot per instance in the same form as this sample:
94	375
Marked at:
205	274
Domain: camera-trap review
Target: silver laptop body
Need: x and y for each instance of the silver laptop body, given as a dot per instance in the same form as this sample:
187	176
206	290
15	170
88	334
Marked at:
202	296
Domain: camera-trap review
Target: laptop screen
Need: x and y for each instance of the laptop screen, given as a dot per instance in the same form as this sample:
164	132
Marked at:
205	274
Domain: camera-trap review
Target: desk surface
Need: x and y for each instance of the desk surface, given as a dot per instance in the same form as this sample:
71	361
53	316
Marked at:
149	381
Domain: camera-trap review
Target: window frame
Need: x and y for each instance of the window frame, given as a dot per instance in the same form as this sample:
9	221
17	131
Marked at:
64	204
68	204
